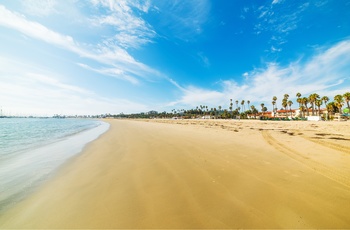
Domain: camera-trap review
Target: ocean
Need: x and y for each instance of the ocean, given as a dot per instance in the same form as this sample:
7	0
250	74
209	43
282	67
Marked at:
31	149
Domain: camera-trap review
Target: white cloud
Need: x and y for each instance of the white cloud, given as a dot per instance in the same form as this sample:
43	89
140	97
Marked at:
274	50
51	82
279	18
194	96
185	19
204	60
27	90
130	30
39	7
326	73
113	72
121	6
107	52
277	1
36	30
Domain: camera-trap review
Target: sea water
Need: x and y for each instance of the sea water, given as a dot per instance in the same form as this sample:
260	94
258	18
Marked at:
31	149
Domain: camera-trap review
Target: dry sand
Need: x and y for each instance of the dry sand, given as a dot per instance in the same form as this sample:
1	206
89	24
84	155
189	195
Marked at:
199	174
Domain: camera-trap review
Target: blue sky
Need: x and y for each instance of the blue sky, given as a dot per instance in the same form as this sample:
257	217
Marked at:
112	56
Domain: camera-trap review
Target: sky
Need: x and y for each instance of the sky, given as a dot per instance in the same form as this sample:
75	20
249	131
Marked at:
89	57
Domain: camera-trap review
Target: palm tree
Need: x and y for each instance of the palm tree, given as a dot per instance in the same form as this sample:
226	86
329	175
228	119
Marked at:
254	111
338	100
236	104
305	101
331	107
262	108
225	114
285	104
347	98
231	105
248	102
301	109
274	99
312	98
318	103
325	99
298	98
311	101
242	103
273	108
290	103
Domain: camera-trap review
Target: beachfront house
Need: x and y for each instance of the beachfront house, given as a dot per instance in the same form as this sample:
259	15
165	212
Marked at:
282	113
297	113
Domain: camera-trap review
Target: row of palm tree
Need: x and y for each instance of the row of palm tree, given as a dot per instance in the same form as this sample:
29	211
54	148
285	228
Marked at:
313	102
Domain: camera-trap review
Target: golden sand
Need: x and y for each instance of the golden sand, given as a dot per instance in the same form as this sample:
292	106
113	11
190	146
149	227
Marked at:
199	174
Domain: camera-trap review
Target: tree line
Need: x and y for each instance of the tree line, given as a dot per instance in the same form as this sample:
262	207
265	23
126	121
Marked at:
238	109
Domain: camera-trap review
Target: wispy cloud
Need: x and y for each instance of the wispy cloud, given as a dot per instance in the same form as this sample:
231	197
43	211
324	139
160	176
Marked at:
36	30
184	19
204	60
51	82
277	1
27	90
113	72
274	50
278	19
104	49
39	8
194	96
130	30
107	51
326	73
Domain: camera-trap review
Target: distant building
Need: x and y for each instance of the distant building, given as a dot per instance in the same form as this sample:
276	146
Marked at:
152	112
297	113
286	113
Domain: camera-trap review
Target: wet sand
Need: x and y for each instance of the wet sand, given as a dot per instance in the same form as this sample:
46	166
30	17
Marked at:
199	174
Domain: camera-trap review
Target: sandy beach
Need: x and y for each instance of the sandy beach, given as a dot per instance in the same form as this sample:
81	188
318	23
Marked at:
199	174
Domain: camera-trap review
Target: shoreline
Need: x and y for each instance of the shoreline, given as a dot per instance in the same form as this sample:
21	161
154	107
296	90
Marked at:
26	171
199	174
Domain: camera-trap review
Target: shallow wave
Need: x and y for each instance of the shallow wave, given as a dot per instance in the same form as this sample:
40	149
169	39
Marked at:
24	171
23	134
